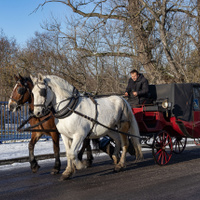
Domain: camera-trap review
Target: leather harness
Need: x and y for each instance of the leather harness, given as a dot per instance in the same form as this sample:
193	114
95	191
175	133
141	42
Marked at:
67	110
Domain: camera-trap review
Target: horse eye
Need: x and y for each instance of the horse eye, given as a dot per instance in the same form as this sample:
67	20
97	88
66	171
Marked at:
43	92
21	90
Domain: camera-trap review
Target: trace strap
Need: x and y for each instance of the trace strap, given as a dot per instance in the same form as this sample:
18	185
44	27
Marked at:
30	128
97	122
24	122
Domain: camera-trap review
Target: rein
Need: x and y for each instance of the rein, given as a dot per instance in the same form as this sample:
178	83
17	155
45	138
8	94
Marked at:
68	110
31	128
99	123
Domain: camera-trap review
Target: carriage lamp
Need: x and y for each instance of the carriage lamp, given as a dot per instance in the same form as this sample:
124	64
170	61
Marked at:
166	104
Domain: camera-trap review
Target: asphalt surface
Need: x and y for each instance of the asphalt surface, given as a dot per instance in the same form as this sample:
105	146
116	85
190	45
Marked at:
144	180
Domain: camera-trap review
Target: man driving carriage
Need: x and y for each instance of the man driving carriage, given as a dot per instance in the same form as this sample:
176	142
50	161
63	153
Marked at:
137	89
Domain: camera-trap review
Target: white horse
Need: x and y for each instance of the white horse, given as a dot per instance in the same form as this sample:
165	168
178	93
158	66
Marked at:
112	111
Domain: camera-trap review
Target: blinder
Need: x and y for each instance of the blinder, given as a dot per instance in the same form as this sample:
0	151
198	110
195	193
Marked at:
21	90
43	92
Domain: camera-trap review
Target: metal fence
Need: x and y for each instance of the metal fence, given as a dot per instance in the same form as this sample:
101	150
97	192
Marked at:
10	121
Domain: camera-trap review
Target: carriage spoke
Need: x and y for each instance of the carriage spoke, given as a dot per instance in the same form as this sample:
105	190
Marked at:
159	152
162	148
179	144
161	158
166	144
166	158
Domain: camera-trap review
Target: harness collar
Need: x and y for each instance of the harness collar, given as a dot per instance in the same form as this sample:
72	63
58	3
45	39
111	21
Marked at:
67	110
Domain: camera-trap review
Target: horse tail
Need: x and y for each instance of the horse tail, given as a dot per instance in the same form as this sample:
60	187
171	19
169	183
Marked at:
134	130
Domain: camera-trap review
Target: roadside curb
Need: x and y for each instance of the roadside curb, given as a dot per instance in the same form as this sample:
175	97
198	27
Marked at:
38	157
26	159
46	156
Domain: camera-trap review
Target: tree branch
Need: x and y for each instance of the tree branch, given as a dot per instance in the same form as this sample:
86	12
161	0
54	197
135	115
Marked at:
120	54
183	11
92	14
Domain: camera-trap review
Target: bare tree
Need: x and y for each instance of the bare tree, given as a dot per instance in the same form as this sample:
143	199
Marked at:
8	65
140	34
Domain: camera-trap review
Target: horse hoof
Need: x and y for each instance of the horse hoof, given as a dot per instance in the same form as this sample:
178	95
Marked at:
65	177
80	165
35	168
119	168
116	170
87	163
55	171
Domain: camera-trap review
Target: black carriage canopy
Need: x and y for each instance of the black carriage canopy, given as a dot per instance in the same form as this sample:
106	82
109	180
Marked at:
184	98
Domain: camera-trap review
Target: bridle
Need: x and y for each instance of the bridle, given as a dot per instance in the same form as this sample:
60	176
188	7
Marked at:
66	110
22	91
43	93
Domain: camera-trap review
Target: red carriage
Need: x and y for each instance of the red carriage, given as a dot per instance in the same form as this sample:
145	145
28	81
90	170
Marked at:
172	116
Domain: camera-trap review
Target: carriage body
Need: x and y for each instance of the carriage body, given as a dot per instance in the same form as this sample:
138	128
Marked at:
173	114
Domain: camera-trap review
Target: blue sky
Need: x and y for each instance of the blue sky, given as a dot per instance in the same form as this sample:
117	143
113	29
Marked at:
18	22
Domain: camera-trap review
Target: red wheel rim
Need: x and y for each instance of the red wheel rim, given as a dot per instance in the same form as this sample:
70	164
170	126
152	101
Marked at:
162	148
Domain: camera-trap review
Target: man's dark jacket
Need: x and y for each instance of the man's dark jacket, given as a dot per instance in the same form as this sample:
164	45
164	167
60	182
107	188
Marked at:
141	86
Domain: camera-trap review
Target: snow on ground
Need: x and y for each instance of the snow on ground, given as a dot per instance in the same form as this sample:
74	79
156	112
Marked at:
20	149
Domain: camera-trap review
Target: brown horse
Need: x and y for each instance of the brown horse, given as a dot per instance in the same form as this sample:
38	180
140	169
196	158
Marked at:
22	94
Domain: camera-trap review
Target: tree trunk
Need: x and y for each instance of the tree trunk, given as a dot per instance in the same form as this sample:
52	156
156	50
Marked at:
142	42
198	21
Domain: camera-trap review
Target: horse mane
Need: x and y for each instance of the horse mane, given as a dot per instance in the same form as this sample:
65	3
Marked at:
59	85
28	78
25	79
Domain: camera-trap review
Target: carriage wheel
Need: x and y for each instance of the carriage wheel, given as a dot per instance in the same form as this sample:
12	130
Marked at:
162	148
179	144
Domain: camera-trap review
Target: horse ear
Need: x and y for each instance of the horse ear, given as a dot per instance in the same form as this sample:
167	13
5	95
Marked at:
40	77
34	79
21	77
16	77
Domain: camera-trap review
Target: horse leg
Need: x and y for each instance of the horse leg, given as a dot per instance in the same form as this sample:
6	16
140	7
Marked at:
35	136
116	153
56	148
124	127
70	169
81	152
72	158
76	143
86	145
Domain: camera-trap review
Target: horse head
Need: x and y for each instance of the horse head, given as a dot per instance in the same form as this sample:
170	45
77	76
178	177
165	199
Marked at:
21	93
43	95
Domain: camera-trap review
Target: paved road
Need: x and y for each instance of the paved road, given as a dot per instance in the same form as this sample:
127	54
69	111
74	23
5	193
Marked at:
143	180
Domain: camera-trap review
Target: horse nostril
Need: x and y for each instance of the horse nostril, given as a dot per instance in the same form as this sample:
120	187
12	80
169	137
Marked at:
12	107
38	114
